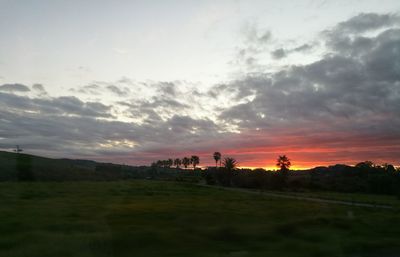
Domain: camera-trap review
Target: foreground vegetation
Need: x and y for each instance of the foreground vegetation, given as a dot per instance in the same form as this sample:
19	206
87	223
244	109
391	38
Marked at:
375	199
337	178
154	218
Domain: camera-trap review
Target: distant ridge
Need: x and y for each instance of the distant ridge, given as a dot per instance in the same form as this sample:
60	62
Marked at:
43	168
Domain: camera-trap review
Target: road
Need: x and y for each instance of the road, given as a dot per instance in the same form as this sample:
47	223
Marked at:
302	198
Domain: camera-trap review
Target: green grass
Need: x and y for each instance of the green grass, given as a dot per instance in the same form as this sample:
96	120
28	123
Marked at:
350	197
149	218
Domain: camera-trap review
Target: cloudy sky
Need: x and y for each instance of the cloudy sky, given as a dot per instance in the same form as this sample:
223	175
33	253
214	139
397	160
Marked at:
136	81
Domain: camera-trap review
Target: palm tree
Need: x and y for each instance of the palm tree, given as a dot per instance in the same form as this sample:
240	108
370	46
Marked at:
217	157
194	160
169	162
185	162
283	163
177	162
230	163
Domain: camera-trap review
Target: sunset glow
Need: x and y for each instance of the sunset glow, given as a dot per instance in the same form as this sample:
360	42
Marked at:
137	82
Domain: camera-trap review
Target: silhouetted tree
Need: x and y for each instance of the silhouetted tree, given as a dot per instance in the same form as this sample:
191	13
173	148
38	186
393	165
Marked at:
230	163
169	163
225	174
283	163
280	180
177	162
389	168
365	165
194	160
217	157
163	163
186	162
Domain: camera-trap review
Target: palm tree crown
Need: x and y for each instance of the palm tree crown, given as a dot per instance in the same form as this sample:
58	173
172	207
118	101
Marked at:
185	162
194	160
177	162
217	157
230	163
283	163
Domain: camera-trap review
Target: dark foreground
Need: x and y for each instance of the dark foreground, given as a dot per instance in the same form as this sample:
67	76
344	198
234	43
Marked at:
149	218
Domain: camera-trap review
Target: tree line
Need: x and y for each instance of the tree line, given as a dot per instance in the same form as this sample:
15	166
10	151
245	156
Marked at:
228	163
228	174
194	160
364	177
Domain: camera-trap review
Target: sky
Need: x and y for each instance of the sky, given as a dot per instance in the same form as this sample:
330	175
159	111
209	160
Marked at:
136	81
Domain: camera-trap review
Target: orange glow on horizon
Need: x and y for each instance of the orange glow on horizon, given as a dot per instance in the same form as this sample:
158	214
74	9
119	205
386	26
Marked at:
275	168
305	156
261	151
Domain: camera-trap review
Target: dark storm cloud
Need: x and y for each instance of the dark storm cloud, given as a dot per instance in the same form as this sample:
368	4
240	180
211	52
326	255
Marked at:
60	134
65	105
63	125
366	22
14	88
383	62
334	87
347	102
69	126
354	89
347	37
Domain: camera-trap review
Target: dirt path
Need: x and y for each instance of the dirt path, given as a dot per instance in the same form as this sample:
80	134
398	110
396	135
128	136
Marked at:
302	198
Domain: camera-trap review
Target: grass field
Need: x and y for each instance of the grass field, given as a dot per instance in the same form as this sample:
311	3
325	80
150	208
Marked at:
151	218
350	197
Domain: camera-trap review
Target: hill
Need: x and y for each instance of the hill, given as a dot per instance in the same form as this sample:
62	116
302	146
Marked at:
20	166
26	167
363	177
